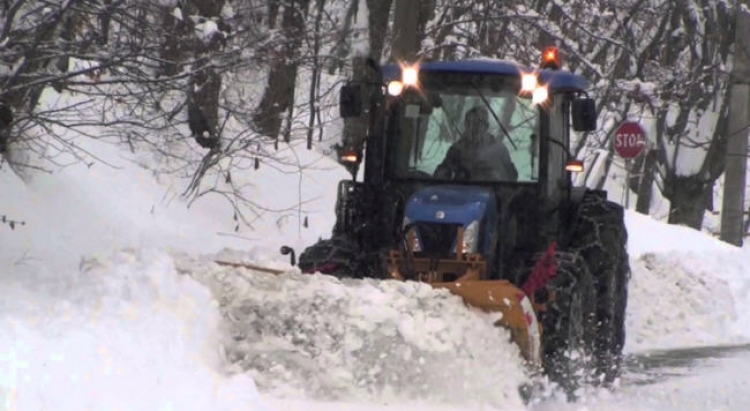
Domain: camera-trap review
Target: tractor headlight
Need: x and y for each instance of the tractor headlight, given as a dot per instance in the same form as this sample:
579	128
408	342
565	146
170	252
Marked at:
395	88
539	95
529	82
413	238
410	75
471	237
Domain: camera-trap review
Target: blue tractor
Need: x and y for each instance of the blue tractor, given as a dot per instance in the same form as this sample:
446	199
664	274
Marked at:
467	186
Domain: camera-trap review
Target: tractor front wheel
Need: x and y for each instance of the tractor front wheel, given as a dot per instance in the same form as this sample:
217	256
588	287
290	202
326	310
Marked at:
600	237
568	323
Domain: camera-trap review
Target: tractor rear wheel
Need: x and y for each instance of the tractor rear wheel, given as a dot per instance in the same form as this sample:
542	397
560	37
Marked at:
600	237
568	323
337	256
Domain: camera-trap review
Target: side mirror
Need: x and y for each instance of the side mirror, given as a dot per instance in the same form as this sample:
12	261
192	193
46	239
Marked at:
584	114
350	100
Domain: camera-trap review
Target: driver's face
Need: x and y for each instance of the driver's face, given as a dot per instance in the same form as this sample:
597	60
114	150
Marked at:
474	124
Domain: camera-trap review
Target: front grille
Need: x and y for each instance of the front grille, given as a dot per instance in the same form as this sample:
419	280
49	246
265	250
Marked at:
437	239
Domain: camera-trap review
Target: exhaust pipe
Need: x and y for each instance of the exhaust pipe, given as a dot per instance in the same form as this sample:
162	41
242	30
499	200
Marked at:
286	250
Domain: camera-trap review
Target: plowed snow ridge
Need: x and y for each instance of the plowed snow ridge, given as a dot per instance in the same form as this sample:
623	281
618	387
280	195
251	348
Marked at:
320	337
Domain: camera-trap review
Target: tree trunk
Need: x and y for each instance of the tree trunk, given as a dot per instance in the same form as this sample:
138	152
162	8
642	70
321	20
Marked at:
380	11
32	43
176	42
733	205
205	82
105	20
315	75
406	45
203	104
645	187
688	201
279	94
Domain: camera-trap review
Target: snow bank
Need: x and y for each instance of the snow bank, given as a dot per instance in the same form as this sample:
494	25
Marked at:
115	200
361	340
646	235
124	332
687	289
674	304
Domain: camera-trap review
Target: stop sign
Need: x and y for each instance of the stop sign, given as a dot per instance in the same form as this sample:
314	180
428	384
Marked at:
629	139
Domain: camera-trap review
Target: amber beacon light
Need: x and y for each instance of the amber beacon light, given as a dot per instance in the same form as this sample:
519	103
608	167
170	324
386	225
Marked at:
550	58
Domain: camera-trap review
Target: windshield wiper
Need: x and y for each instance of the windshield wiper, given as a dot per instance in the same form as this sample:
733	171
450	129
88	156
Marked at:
499	123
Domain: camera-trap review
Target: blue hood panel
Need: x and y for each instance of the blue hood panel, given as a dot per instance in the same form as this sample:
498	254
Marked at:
449	204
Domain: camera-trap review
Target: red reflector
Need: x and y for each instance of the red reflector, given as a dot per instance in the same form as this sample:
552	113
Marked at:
325	268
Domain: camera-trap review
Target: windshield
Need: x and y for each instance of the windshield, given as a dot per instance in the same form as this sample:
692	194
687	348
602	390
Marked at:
476	130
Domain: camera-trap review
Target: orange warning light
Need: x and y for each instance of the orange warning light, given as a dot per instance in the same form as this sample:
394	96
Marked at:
550	58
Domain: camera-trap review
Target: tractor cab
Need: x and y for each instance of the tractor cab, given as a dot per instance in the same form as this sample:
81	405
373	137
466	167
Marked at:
492	127
494	111
471	158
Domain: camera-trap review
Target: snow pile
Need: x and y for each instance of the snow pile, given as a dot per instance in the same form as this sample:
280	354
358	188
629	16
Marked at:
646	235
119	202
687	289
321	337
125	332
677	304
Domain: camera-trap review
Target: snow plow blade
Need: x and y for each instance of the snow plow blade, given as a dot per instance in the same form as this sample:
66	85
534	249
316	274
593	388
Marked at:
516	309
501	296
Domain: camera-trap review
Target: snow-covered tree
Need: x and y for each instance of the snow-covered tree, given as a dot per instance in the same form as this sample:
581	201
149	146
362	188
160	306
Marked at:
210	84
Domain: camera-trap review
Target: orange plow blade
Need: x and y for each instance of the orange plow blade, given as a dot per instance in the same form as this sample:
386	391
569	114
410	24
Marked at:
518	314
517	311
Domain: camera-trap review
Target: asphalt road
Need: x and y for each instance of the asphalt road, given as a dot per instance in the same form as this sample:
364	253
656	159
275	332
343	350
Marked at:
699	379
705	379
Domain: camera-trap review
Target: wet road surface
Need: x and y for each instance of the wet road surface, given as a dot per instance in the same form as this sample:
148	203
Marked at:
697	379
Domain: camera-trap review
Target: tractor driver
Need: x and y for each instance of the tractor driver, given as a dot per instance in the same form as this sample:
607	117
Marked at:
477	155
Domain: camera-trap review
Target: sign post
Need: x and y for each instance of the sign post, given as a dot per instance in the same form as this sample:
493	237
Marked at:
630	139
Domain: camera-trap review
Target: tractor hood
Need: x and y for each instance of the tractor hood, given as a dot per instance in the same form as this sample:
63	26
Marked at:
449	204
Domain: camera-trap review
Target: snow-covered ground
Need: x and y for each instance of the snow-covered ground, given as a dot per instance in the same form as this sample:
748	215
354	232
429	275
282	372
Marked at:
109	301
